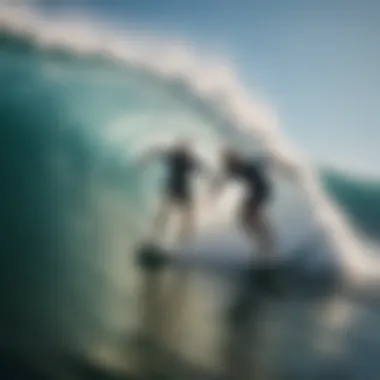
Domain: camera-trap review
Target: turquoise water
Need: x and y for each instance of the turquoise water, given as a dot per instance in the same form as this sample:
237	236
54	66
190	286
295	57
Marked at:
74	203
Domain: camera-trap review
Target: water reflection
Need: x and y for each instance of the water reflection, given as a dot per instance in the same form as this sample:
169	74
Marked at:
197	325
169	306
163	308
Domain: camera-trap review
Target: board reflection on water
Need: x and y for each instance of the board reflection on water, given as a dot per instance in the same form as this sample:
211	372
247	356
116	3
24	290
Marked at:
74	302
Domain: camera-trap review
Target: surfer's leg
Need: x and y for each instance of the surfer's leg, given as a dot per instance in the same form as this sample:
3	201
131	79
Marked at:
162	218
261	227
186	225
256	225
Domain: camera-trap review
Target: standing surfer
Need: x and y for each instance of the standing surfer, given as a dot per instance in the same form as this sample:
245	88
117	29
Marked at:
254	176
182	164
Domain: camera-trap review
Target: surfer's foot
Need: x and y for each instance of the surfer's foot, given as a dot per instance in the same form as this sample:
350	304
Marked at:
151	257
267	280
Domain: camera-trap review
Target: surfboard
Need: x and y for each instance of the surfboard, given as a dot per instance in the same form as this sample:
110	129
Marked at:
152	257
268	279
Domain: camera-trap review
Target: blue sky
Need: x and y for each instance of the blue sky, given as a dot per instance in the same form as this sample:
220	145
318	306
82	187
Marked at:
316	62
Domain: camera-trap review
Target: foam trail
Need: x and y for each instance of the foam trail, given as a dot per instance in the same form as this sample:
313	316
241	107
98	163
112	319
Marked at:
213	84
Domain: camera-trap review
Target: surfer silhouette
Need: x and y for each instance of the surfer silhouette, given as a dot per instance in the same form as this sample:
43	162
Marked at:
181	164
254	175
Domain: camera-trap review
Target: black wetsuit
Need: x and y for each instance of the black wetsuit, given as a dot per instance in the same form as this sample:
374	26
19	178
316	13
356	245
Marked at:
257	185
181	166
